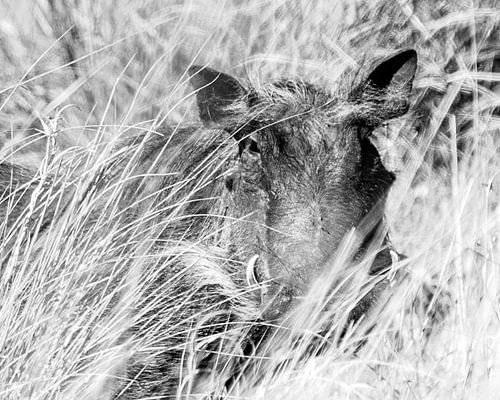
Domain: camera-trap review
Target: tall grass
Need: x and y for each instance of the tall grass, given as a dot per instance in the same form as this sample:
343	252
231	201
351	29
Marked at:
110	71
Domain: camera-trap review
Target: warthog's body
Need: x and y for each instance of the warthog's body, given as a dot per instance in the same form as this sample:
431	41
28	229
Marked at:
278	175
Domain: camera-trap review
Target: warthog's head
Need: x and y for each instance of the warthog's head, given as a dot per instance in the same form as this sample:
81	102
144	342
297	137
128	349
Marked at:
307	171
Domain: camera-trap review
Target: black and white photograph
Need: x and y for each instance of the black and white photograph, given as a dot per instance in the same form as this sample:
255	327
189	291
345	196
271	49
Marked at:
249	200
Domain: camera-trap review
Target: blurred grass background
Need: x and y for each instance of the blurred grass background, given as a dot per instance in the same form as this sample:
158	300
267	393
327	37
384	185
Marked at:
121	65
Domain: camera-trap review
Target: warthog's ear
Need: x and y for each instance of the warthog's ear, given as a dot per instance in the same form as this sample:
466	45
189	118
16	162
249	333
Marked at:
388	87
216	92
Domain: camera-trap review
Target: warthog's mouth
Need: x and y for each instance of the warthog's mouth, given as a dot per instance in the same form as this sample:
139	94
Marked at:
274	298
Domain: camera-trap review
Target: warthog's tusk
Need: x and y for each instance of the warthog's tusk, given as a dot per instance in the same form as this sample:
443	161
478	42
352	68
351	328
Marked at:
250	271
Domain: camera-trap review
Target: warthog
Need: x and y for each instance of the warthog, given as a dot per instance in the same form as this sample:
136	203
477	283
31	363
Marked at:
265	193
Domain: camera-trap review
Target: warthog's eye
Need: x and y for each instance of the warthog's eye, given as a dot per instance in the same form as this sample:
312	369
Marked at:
250	146
253	147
